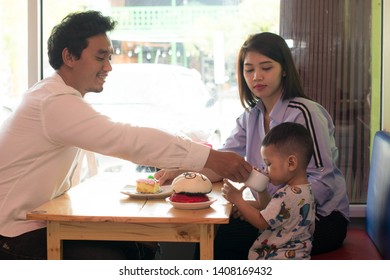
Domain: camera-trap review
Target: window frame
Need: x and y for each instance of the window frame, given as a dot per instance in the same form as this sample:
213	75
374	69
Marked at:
34	40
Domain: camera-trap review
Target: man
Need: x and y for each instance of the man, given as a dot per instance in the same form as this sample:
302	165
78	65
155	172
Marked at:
40	143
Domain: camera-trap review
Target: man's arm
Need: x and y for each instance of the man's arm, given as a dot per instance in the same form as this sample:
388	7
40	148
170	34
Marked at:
229	165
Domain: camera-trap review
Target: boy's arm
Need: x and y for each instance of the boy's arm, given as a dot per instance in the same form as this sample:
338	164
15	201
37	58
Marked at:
263	199
251	214
247	211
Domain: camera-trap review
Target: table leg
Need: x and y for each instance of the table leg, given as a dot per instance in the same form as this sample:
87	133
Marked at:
206	242
54	243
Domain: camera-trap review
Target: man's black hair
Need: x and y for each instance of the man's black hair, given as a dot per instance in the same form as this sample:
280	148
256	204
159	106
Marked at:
73	33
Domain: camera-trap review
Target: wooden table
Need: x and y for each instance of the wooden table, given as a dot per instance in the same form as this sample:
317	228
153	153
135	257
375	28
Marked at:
96	210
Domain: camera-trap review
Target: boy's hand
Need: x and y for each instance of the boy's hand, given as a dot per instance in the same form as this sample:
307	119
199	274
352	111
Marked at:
231	193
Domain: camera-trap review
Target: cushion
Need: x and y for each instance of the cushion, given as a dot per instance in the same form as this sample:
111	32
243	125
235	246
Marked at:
357	246
378	196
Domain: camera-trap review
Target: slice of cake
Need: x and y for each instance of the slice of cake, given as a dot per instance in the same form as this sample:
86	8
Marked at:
149	185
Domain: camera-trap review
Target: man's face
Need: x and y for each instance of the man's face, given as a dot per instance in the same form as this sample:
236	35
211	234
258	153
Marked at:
90	71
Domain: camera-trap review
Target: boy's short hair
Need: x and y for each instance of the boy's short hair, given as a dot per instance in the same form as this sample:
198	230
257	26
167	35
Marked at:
291	138
73	33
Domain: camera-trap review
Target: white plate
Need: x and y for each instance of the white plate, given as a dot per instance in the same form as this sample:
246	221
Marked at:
166	190
193	205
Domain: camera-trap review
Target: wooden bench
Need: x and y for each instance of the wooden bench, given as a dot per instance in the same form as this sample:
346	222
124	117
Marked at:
373	241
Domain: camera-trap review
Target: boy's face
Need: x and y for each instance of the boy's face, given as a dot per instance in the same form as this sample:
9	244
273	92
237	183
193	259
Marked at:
277	165
90	71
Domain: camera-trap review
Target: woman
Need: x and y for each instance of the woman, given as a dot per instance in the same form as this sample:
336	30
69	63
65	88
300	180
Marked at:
271	91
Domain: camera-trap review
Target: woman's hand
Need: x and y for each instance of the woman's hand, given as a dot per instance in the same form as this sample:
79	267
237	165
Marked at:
165	176
236	214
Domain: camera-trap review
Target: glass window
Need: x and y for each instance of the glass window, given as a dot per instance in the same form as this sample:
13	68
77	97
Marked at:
13	55
197	41
332	50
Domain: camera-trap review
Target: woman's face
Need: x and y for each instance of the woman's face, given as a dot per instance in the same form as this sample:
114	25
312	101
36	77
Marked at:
263	76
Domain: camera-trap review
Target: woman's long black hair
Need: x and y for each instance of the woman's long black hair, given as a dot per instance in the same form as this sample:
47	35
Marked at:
276	48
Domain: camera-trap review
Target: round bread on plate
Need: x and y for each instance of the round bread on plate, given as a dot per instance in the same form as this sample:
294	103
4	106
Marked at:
190	187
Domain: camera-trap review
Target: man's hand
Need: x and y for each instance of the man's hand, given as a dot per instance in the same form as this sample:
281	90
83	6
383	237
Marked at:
229	165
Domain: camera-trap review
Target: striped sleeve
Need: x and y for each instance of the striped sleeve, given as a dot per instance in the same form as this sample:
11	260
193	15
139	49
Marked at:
310	126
